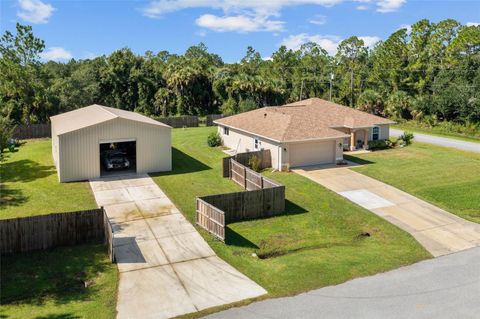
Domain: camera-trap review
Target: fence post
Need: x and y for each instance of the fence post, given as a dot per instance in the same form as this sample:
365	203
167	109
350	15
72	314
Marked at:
245	177
261	182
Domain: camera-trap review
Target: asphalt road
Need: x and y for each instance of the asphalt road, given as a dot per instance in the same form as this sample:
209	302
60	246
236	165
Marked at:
444	287
442	141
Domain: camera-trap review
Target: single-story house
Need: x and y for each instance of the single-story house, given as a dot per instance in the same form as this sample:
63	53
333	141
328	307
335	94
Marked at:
308	132
83	139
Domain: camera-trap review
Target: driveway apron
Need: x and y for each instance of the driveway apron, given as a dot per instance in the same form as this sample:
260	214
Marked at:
439	231
166	268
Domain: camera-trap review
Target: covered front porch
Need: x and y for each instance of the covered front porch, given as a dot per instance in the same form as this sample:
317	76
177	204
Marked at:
359	138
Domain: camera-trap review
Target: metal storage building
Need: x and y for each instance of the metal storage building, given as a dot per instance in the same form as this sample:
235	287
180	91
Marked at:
81	138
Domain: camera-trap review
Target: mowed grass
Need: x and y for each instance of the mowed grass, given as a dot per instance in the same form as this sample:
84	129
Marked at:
51	284
445	177
436	131
320	240
29	184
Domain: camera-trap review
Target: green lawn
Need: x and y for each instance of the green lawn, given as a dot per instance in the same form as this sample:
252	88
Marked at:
437	131
317	242
445	177
29	184
50	284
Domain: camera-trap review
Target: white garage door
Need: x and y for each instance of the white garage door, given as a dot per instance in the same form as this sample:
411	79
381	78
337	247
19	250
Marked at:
313	153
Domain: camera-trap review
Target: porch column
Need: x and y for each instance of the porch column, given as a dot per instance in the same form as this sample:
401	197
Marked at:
365	139
352	140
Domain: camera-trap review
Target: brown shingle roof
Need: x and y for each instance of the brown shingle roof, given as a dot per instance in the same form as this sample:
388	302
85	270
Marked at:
92	115
303	120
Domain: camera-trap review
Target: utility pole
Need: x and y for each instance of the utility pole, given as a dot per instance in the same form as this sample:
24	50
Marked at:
301	90
351	87
331	80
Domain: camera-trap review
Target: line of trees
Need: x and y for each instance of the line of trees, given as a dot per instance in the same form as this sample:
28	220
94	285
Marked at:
430	72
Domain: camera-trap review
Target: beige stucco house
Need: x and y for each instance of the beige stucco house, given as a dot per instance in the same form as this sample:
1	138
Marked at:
308	132
80	137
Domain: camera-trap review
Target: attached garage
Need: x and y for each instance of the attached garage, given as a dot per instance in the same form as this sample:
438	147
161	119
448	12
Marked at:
97	141
312	153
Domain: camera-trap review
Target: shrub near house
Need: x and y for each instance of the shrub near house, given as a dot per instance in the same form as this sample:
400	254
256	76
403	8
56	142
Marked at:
404	140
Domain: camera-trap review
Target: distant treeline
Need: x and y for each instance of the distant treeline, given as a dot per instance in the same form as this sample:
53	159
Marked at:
430	72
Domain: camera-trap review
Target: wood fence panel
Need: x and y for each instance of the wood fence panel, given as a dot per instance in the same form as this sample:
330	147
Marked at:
179	121
263	198
48	231
210	218
23	132
253	181
212	117
108	234
238	173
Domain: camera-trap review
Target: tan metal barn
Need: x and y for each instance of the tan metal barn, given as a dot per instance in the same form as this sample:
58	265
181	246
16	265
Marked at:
97	141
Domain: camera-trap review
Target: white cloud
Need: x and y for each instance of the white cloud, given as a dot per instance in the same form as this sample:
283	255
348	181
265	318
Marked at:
35	11
318	19
239	15
328	42
239	23
251	15
472	24
56	54
362	7
271	7
389	5
369	40
88	55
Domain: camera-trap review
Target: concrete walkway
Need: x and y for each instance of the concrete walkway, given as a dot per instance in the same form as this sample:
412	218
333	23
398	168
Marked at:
444	287
166	268
441	141
438	231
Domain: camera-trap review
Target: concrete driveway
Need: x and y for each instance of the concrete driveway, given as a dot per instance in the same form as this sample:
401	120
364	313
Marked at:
444	287
441	141
439	231
166	268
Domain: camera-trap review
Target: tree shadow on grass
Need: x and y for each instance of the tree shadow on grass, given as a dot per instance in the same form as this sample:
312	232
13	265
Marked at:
59	316
63	275
22	171
25	171
183	163
10	197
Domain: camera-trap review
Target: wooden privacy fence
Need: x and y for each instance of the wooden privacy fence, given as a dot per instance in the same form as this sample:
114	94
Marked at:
179	121
41	232
23	132
108	234
212	117
263	155
42	130
263	198
210	218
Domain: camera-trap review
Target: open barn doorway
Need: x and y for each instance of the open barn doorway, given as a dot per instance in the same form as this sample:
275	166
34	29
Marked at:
118	158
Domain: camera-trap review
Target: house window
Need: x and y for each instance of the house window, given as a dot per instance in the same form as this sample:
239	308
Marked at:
257	144
375	133
226	130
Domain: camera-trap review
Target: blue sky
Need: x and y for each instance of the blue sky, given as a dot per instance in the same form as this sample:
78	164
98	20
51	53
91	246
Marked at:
83	29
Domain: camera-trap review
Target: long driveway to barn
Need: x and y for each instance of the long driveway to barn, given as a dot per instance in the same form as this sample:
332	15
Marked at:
166	268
